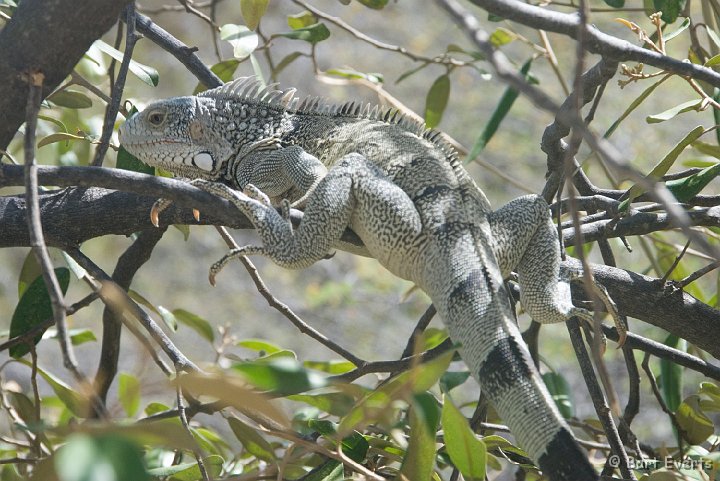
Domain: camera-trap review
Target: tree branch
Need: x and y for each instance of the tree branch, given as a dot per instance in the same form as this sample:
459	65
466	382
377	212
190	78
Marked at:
596	41
67	27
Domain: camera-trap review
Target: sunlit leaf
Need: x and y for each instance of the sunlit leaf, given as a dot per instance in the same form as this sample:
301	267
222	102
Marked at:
59	137
251	440
633	105
195	322
674	111
74	401
259	345
681	28
282	376
71	99
506	102
129	393
190	471
560	392
501	36
335	403
252	11
466	451
234	392
243	40
301	20
662	167
354	74
29	272
374	4
419	459
34	308
436	101
168	318
330	367
111	458
145	73
695	423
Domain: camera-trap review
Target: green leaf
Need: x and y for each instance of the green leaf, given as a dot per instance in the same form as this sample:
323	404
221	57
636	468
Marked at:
453	379
376	78
184	230
615	3
224	70
506	102
190	471
77	336
436	101
561	393
71	99
682	27
34	308
59	137
671	375
670	9
501	36
129	393
312	33
243	40
147	74
74	401
633	105
677	110
29	272
127	161
286	60
168	318
111	458
282	377
251	440
697	426
155	407
330	470
687	188
374	4
662	167
195	322
330	367
419	459
252	11
301	20
466	451
259	345
335	403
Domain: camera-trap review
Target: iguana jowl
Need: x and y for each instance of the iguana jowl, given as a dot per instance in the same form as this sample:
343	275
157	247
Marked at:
402	189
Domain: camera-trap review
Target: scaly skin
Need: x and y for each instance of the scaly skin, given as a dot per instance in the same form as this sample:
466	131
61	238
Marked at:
406	195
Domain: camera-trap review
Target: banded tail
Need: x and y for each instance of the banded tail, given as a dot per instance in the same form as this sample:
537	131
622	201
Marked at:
474	305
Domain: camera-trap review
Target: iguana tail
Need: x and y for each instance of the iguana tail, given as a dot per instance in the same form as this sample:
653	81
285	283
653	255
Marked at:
474	305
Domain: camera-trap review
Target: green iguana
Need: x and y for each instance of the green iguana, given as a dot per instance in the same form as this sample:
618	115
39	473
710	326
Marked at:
402	189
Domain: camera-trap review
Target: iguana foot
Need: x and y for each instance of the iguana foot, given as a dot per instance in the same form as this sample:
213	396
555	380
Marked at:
602	294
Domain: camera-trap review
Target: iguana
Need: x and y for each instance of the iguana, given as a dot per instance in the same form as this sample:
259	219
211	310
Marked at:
402	189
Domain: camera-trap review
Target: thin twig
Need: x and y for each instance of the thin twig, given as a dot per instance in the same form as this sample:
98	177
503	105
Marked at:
284	309
115	297
420	327
184	421
443	60
601	407
658	395
117	90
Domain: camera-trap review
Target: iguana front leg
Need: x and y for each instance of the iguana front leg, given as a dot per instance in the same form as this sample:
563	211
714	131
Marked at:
353	193
277	170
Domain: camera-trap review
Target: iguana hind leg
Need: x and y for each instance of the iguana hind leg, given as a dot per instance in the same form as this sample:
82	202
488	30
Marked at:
525	241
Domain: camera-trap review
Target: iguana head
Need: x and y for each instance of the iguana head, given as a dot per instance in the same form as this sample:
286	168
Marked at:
178	135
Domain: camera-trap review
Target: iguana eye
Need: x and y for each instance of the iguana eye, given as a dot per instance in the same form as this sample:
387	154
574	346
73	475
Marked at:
156	118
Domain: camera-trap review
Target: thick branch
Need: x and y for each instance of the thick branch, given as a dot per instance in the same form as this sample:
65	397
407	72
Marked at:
67	29
595	41
645	298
